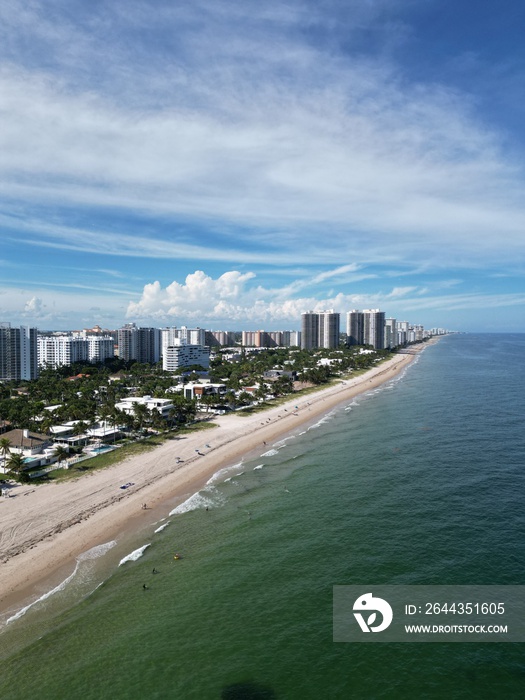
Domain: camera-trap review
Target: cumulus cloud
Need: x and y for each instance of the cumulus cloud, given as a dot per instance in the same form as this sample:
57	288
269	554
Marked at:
34	307
231	298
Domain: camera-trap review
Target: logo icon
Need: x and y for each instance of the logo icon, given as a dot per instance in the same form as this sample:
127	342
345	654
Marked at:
368	603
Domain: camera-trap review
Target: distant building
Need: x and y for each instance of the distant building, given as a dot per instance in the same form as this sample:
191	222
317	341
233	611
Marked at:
374	328
18	353
220	338
59	350
140	344
355	327
269	339
319	329
100	346
177	356
390	333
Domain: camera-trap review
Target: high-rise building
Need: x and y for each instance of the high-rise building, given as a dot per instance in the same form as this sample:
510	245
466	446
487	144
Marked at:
294	339
319	329
329	325
190	336
225	338
355	328
18	353
100	347
309	330
185	355
141	344
374	328
61	349
390	333
58	350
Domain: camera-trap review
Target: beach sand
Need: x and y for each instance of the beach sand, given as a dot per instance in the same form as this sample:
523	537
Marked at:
44	528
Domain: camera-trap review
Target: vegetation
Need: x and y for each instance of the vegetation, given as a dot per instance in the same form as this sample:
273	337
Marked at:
87	394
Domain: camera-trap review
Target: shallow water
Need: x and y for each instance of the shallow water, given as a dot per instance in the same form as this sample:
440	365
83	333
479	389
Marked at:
417	482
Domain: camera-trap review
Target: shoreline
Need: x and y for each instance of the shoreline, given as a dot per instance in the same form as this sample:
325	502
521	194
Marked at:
45	528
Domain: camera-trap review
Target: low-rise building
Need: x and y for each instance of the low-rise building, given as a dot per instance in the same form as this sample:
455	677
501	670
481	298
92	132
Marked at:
162	406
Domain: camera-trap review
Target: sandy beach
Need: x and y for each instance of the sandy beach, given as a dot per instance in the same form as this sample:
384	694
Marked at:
44	528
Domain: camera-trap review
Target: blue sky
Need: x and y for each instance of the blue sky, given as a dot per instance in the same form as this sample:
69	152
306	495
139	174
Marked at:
230	164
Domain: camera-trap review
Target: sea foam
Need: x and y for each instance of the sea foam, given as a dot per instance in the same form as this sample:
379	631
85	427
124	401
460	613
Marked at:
136	554
90	554
210	497
218	476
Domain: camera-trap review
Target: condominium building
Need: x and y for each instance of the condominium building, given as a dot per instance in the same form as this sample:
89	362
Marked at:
58	350
141	344
100	347
390	333
292	339
270	339
18	353
320	329
222	338
402	332
184	355
374	328
190	336
355	328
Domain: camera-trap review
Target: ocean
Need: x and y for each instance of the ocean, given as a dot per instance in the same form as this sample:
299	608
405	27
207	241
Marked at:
420	481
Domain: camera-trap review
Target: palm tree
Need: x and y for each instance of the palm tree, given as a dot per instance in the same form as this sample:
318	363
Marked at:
208	400
61	453
5	445
16	463
141	413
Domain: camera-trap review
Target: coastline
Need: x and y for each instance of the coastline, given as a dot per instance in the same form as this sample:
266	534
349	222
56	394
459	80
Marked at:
43	529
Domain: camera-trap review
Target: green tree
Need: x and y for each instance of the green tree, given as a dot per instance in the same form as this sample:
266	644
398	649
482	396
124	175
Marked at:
141	414
5	448
61	453
16	463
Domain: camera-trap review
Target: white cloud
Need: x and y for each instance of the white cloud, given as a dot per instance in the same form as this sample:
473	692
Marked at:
233	299
298	143
34	307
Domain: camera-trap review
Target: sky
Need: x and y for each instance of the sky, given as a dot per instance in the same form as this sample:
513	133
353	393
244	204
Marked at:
230	164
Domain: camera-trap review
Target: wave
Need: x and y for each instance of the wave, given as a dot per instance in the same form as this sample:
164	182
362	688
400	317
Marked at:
259	466
270	453
325	419
202	499
159	529
221	472
90	554
136	554
96	552
283	442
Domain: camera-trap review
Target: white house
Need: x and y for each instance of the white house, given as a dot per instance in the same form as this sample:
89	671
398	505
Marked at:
163	406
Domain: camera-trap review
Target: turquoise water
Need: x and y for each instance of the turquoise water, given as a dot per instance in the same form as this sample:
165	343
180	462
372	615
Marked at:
418	482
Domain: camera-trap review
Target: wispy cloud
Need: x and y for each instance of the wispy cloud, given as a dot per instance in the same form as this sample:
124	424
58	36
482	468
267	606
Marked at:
390	169
266	135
